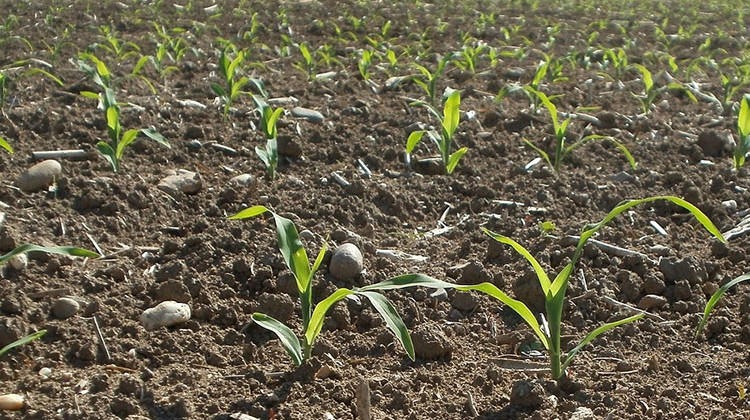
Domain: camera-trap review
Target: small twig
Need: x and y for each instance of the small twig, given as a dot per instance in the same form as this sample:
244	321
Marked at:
120	368
101	339
96	245
60	154
337	178
52	292
472	406
616	302
366	172
613	249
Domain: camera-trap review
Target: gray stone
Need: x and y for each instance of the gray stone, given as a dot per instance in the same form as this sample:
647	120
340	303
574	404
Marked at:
430	342
688	269
245	180
289	147
184	181
194	144
528	394
649	302
464	301
165	314
582	413
39	176
174	290
65	308
307	114
346	262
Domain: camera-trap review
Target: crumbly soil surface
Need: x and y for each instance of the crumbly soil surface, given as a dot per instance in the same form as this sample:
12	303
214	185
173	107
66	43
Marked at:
474	353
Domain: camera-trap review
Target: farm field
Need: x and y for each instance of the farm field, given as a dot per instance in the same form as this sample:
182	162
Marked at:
458	140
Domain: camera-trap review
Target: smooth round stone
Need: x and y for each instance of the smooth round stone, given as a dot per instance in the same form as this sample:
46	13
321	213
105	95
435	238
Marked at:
64	308
346	262
39	176
165	314
307	114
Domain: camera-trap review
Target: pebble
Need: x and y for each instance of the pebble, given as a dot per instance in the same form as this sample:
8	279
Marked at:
245	180
622	177
194	144
39	176
11	402
582	413
165	314
713	143
307	114
346	262
184	181
649	302
289	147
19	261
464	301
429	166
528	394
430	342
65	308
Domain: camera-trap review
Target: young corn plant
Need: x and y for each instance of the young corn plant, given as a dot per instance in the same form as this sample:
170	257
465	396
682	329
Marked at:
651	93
118	140
233	84
449	123
554	289
307	65
313	316
364	64
715	299
18	70
268	118
428	80
743	129
5	145
562	150
62	250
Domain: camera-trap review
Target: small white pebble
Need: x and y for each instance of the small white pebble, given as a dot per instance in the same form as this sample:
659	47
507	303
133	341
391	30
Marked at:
11	402
45	372
19	262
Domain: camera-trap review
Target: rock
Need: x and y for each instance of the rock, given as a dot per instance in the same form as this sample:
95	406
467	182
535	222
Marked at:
39	176
278	306
622	177
288	147
307	114
474	273
165	314
187	182
429	166
582	413
687	268
713	143
527	394
464	301
430	342
244	180
194	145
174	290
19	262
682	290
649	302
193	132
346	262
514	73
65	308
11	402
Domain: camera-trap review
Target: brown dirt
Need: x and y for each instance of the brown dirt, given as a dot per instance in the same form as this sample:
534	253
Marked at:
218	364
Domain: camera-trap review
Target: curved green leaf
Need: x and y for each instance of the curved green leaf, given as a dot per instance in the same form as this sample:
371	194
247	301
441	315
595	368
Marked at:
316	320
454	158
743	118
249	212
124	142
5	145
392	319
414	138
593	334
109	154
45	73
540	274
541	152
141	62
23	340
64	250
715	299
154	135
289	340
451	113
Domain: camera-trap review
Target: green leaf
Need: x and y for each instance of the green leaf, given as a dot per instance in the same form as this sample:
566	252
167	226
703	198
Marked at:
414	138
5	145
23	340
743	118
139	65
113	119
715	299
540	274
392	319
90	95
593	334
263	155
109	154
451	113
155	136
421	280
626	152
316	320
454	158
249	212
124	142
64	250
47	74
541	152
218	90
648	81
289	340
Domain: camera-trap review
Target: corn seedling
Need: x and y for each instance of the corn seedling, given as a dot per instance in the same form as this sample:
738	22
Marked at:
115	46
229	68
23	340
307	65
715	299
428	80
651	92
118	140
561	150
297	261
743	130
470	57
449	123
63	250
268	118
549	332
364	64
